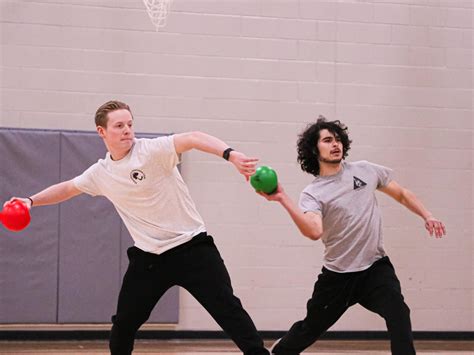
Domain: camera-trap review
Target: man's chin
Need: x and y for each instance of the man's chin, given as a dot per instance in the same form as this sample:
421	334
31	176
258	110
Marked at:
332	161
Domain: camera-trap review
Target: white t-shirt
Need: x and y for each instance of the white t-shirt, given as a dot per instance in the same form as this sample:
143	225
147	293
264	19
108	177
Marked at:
149	194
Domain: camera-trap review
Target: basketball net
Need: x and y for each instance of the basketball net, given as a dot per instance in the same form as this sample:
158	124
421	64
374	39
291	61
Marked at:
158	11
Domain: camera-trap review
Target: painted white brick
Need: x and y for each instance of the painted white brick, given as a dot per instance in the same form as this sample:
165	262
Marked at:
191	44
57	120
404	55
228	7
456	3
278	28
97	3
75	16
411	35
327	31
42	57
409	138
459	58
248	110
280	8
326	72
380	116
446	37
277	49
319	51
409	2
279	70
398	76
315	92
467	39
355	12
426	16
182	65
458	18
363	33
321	10
425	56
28	100
260	27
220	25
421	158
392	14
354	53
263	90
242	110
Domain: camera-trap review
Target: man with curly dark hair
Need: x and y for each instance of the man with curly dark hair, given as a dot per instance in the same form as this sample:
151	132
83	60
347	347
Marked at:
339	207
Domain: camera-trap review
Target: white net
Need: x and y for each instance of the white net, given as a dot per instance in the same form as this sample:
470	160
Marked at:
158	11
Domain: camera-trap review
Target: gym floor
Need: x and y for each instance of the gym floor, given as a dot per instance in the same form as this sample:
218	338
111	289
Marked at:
225	347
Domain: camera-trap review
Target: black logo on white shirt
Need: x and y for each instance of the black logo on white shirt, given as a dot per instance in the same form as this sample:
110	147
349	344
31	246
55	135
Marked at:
358	183
137	176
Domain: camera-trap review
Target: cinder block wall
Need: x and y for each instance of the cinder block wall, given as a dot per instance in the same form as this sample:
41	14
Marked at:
397	72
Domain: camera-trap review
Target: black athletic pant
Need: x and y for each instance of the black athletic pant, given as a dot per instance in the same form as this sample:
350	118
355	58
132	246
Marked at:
377	289
196	266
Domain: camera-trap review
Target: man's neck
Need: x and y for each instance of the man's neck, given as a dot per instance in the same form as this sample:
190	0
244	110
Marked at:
328	169
118	154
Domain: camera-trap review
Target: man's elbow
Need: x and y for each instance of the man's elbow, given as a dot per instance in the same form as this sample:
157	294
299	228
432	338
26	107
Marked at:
313	234
186	141
70	189
405	196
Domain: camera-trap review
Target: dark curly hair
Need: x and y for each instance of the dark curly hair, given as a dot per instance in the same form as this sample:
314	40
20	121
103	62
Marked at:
308	153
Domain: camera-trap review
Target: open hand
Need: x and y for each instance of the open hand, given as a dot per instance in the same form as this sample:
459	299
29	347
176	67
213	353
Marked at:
435	227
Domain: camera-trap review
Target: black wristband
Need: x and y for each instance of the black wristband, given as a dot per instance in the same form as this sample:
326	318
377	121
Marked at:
31	201
226	153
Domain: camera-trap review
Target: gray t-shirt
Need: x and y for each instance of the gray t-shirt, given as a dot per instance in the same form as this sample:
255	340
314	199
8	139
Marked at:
351	217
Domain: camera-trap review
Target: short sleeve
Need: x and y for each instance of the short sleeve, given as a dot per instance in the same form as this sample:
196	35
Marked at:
308	203
384	174
162	151
86	182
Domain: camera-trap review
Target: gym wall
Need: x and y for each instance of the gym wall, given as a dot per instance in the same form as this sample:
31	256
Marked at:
254	73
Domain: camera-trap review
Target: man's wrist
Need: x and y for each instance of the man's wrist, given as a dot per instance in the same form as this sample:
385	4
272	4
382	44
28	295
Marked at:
226	153
31	201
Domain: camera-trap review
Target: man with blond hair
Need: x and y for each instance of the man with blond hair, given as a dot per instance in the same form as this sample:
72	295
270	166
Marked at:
171	245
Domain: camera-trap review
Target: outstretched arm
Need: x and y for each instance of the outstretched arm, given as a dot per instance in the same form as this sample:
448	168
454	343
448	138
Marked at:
210	144
51	195
310	224
410	201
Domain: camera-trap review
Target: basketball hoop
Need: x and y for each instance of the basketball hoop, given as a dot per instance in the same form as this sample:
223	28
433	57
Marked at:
158	11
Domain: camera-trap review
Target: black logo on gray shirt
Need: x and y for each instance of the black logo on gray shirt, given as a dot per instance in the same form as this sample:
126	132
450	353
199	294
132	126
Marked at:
137	176
358	183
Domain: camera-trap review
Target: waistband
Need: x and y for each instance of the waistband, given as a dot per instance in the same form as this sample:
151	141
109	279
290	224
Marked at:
197	239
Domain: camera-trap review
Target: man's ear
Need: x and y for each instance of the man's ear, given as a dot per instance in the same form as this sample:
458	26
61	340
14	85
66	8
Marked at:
101	131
